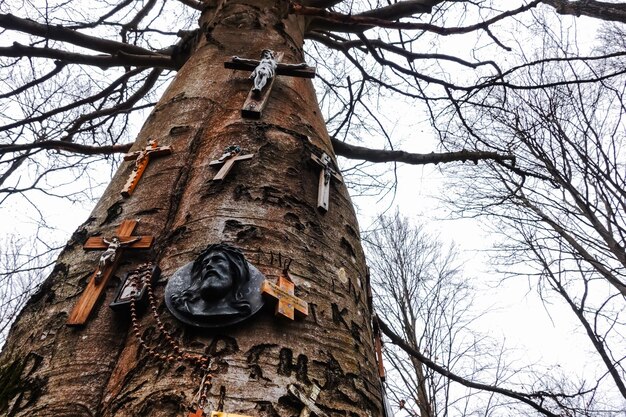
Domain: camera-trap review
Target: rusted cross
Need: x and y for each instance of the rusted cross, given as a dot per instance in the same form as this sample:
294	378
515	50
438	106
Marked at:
142	159
256	100
326	174
100	277
231	155
284	292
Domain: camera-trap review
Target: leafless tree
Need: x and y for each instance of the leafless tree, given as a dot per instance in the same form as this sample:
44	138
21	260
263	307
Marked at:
562	207
75	77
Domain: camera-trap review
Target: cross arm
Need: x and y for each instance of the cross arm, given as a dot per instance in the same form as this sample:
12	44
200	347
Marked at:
292	70
321	163
95	242
144	242
131	156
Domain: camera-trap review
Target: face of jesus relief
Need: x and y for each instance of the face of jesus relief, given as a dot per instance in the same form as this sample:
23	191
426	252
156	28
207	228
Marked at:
215	276
216	289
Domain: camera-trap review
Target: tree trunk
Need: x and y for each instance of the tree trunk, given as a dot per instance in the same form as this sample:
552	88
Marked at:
265	206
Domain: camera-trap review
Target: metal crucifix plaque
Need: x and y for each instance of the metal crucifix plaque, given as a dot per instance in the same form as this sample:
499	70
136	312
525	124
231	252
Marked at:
218	289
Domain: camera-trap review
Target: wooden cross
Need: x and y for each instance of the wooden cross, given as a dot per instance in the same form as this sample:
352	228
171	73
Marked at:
95	287
284	293
256	101
378	346
227	161
327	172
142	158
309	402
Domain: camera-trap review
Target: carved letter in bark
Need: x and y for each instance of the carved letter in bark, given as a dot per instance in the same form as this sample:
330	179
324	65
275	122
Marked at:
218	289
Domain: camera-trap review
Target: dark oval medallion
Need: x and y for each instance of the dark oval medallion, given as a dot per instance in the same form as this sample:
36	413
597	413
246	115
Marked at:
218	289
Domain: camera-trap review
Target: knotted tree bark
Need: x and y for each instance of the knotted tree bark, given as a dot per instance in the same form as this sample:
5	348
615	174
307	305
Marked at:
266	206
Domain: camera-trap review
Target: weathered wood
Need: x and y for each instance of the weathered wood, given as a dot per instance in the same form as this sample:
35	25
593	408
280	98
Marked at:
256	101
103	369
227	164
309	402
142	159
281	69
315	392
284	292
378	346
90	296
323	188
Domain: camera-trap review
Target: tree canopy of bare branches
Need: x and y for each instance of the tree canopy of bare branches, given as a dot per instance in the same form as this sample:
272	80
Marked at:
501	83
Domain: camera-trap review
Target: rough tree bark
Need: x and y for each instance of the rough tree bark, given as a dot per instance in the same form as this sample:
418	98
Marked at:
266	205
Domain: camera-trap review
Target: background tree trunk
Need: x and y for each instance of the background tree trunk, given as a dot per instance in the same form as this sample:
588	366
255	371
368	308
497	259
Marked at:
266	205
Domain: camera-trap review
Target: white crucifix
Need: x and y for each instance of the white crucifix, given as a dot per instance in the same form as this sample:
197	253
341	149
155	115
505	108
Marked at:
326	174
263	73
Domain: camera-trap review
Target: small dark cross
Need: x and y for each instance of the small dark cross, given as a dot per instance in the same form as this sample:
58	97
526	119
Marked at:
327	172
142	158
100	277
308	401
264	72
227	161
284	292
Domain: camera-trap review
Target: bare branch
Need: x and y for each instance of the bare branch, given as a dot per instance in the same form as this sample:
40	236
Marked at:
60	33
338	22
382	155
519	396
57	69
103	61
193	4
67	146
597	9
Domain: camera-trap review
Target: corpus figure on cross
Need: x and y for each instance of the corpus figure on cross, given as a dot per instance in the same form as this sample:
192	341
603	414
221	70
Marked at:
108	256
264	71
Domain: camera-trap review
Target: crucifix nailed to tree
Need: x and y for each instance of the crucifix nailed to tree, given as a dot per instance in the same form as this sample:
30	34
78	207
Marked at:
216	242
209	344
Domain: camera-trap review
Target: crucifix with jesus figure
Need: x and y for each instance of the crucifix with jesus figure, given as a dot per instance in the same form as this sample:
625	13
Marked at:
108	262
231	155
142	158
263	74
327	173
